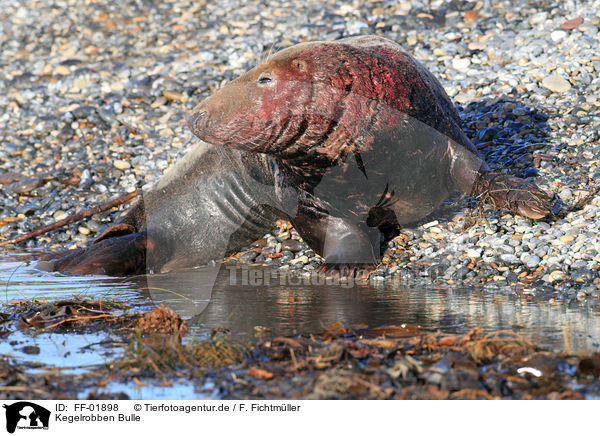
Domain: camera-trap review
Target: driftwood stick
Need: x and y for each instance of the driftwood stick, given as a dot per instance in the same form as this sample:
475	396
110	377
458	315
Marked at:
73	218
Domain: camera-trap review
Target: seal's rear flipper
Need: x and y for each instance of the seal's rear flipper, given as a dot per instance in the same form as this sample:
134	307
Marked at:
114	256
115	231
512	193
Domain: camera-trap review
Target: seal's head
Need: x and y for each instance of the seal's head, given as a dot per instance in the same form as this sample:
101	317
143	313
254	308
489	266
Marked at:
304	103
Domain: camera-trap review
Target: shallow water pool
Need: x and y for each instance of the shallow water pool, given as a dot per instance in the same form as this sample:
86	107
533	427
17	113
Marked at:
249	301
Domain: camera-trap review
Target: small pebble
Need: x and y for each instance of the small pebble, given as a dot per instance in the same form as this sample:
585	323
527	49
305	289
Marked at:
556	83
461	63
26	186
121	164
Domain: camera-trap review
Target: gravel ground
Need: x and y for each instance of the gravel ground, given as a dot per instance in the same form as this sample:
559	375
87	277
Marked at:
93	101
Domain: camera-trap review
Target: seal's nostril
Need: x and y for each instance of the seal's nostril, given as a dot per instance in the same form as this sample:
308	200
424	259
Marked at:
197	120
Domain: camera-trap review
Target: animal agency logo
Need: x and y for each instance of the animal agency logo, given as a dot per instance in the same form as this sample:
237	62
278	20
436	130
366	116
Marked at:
26	415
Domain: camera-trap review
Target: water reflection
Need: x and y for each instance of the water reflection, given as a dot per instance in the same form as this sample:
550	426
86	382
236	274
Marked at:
20	280
221	297
292	306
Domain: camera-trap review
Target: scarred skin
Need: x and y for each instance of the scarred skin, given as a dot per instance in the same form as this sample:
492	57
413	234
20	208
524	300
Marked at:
347	139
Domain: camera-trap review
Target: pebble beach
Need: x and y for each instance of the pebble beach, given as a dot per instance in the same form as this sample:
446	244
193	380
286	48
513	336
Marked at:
94	98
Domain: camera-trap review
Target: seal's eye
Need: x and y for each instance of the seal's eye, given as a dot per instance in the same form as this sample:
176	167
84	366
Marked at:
265	79
300	64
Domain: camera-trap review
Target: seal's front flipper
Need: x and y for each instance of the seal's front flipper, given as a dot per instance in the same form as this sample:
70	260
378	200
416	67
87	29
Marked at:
114	256
348	248
512	193
350	244
348	251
